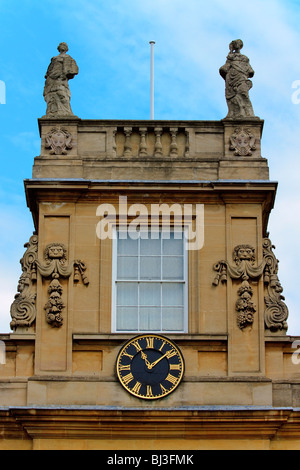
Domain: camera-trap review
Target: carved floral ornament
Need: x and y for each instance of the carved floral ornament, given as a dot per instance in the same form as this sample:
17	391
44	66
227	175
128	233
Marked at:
244	269
55	267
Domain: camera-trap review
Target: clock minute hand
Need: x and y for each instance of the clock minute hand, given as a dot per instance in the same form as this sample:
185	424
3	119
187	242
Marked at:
158	360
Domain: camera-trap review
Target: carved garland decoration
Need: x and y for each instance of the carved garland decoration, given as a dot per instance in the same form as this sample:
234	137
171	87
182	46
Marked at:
23	309
56	267
244	269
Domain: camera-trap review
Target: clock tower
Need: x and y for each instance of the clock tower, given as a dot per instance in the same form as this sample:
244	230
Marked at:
149	312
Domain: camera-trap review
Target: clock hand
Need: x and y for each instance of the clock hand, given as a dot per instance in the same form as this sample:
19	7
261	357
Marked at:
158	360
146	360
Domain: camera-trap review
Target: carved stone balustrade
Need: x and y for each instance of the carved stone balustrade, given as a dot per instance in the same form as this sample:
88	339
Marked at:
150	150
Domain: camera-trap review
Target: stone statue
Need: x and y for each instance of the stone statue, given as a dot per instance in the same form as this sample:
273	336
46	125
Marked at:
56	92
236	73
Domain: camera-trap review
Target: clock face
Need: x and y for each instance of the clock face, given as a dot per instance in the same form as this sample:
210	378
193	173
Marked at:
150	366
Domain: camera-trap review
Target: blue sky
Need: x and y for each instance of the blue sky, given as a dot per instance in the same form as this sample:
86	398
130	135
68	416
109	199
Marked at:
110	42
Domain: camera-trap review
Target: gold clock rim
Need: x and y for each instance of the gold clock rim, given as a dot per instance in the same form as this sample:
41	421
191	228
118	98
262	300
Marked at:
153	335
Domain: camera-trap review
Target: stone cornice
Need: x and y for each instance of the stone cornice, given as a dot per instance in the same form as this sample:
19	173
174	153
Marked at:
220	191
145	423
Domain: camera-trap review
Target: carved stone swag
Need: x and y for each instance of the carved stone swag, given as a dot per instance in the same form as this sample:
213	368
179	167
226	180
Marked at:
244	269
23	309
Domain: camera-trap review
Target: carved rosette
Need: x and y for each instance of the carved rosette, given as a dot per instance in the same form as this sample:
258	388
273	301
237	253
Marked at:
57	268
23	309
59	141
243	268
242	142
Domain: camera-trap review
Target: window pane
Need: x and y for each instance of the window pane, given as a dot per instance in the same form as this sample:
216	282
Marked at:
150	319
173	246
127	267
150	267
150	247
150	294
127	294
127	319
172	319
172	295
172	267
127	246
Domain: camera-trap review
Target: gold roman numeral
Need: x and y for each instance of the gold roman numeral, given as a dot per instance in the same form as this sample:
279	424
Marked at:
149	392
136	344
127	378
171	353
124	367
150	343
137	387
175	367
162	346
163	389
128	355
172	379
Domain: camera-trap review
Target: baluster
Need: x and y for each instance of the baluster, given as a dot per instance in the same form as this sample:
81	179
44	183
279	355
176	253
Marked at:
143	143
127	145
158	145
114	143
174	146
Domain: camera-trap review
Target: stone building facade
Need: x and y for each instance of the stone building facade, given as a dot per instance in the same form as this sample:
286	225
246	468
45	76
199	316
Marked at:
149	312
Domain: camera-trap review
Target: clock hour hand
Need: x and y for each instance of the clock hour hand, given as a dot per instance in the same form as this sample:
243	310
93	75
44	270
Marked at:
144	356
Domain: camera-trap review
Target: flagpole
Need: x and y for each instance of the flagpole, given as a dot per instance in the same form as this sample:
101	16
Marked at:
152	81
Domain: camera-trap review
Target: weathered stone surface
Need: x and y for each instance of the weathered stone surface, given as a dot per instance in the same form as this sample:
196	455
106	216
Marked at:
236	73
157	150
57	94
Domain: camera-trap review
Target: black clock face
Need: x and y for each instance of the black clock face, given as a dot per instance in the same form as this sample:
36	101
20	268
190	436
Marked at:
150	366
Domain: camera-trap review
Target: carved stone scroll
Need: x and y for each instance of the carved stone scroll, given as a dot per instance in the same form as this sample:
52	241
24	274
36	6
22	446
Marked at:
276	313
57	268
23	309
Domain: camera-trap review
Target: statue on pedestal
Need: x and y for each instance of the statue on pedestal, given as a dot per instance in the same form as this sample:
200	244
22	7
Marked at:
56	92
236	73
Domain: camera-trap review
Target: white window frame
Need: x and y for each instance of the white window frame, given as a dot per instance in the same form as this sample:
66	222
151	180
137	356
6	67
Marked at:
115	280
